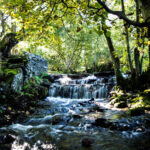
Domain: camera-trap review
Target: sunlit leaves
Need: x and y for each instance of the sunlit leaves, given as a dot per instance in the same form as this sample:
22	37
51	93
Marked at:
108	33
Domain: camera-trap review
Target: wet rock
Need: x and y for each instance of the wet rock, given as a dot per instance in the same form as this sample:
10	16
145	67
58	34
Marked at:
52	78
96	109
147	122
91	81
105	73
137	111
102	122
91	100
140	129
77	116
77	76
122	104
83	103
57	119
124	127
87	142
6	139
105	80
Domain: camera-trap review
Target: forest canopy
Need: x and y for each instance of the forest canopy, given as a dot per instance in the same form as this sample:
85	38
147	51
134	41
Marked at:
82	35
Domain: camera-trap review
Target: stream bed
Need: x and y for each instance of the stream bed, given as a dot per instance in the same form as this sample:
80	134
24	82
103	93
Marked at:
77	115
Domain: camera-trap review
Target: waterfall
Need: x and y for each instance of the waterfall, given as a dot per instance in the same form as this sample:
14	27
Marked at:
84	88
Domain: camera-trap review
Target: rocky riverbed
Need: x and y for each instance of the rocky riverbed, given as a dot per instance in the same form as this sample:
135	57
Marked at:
66	123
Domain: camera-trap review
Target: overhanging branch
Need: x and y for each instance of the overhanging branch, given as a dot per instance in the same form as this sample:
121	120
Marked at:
121	15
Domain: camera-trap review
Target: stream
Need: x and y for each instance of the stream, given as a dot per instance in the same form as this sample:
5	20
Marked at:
77	115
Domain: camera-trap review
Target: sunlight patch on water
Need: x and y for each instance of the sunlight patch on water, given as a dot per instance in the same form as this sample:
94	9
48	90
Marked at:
20	127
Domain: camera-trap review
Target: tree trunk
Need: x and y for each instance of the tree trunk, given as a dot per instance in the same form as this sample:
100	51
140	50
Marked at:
142	57
145	8
137	62
127	41
149	47
114	58
136	51
2	23
128	50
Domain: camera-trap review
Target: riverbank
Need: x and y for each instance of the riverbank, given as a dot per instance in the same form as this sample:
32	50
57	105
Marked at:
137	103
15	107
22	85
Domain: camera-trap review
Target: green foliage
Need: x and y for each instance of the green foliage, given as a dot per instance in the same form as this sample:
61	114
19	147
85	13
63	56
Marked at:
70	33
8	72
31	85
136	111
1	111
33	88
137	102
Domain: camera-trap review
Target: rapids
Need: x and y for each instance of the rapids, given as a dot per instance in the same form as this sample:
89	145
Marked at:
77	116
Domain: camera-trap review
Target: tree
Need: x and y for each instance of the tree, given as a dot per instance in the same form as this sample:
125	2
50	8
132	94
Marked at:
40	20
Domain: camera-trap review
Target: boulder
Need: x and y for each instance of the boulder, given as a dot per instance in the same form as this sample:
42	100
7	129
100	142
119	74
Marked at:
6	139
16	69
102	122
17	82
36	65
87	142
137	111
120	126
122	104
12	79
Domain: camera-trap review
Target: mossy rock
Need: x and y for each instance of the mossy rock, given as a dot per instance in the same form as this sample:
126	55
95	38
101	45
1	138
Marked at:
9	74
121	105
136	111
146	93
119	98
14	66
11	71
16	59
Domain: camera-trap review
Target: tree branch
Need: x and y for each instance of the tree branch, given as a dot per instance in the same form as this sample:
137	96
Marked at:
121	15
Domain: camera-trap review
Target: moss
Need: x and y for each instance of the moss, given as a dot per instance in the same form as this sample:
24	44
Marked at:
146	93
122	104
42	92
16	59
9	75
11	71
136	111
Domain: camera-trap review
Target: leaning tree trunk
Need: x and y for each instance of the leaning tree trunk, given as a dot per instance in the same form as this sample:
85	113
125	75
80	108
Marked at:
145	9
114	58
127	40
2	23
7	43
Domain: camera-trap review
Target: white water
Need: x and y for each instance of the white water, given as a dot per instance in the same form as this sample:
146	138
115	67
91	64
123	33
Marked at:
86	88
67	115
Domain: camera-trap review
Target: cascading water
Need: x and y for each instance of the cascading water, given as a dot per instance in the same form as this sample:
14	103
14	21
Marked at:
86	88
69	119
